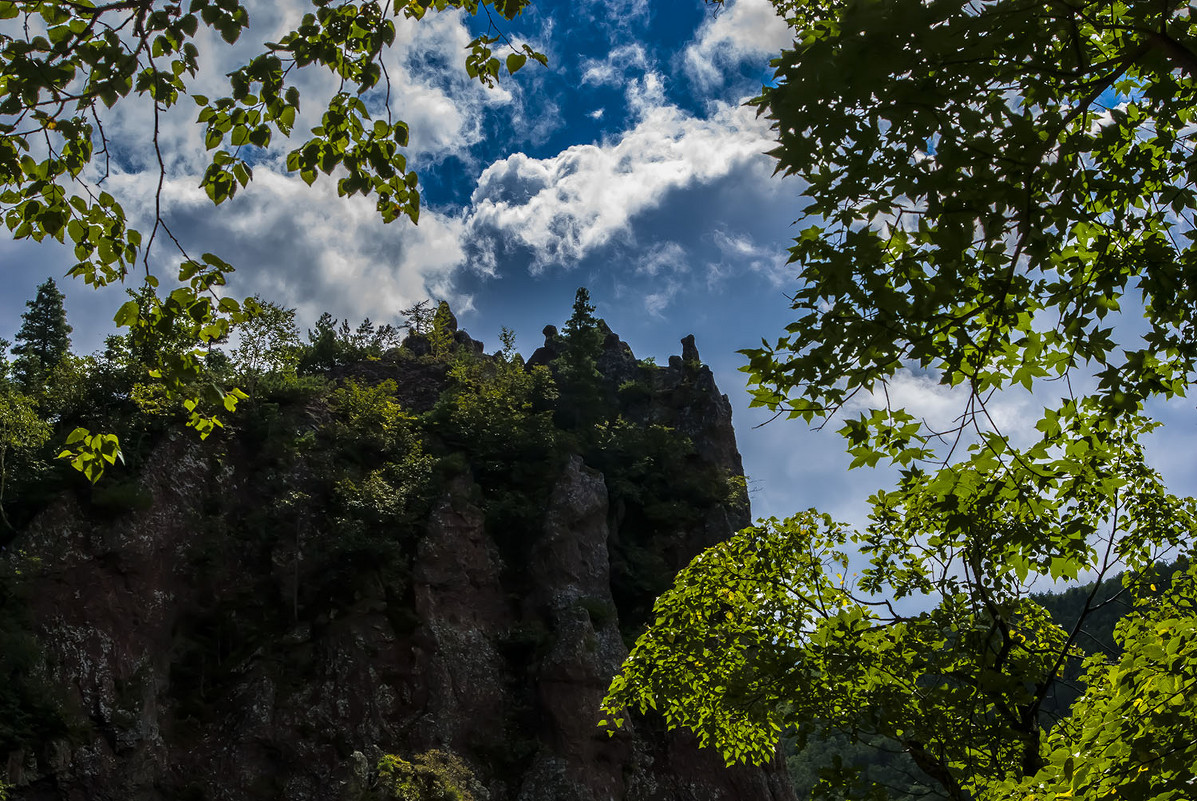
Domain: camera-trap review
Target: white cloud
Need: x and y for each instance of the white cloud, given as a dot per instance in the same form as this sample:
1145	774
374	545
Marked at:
655	303
663	258
646	94
614	15
740	251
309	249
330	253
613	69
665	263
443	107
305	247
744	30
430	90
1013	412
562	208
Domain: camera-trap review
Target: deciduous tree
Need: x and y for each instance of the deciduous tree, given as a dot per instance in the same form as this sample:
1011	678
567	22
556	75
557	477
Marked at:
267	342
22	431
1001	195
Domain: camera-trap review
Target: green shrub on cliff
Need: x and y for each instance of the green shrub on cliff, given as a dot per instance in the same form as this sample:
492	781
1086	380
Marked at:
497	409
432	776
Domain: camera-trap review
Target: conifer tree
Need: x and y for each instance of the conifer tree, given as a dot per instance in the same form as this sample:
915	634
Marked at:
444	326
44	339
322	350
576	368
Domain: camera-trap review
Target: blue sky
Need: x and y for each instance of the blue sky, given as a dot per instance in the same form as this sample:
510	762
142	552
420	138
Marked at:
629	165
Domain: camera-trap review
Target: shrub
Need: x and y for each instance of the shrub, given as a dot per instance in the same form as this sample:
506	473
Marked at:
432	776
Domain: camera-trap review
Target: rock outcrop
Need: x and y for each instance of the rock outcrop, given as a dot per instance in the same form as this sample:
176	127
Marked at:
190	667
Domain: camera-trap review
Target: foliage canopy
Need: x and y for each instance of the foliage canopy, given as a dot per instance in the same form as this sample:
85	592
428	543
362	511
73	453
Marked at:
996	191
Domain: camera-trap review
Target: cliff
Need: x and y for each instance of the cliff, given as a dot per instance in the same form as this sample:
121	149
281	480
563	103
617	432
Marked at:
434	558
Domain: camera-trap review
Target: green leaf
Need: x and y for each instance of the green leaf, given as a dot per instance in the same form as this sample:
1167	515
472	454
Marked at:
127	314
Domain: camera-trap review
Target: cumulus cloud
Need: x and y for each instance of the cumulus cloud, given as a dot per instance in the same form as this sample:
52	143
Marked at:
302	245
309	249
561	208
305	247
428	88
744	30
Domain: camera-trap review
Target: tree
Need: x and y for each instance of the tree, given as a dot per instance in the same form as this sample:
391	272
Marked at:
268	342
989	185
44	339
442	331
323	349
576	368
498	410
418	317
75	59
332	345
21	433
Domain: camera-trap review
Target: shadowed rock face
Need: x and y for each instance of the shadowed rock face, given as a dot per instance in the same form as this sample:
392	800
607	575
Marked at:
192	673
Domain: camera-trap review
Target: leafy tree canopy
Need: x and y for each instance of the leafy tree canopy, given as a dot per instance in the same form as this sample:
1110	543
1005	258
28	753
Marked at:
63	63
21	431
990	184
267	342
1000	195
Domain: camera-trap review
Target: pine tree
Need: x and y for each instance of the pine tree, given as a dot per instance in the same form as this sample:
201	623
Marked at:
576	369
323	349
44	339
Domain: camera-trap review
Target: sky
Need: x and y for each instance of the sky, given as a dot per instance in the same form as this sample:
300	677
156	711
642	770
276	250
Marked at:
630	165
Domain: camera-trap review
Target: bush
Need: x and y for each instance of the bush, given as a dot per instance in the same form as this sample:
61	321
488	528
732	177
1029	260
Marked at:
432	776
497	411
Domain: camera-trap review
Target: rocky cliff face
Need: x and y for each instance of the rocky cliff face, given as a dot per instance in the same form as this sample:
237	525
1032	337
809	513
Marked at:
195	660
